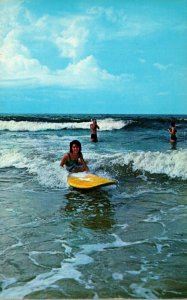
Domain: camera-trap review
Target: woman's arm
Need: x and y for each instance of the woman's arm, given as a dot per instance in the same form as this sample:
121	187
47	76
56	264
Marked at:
64	160
82	161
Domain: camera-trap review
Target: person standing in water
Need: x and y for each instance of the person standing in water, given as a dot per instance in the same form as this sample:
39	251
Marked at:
93	127
172	130
73	160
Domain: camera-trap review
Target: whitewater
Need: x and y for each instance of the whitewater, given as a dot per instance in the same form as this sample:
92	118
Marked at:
106	124
128	240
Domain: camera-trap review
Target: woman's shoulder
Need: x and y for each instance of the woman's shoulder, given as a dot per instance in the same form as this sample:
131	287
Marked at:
67	155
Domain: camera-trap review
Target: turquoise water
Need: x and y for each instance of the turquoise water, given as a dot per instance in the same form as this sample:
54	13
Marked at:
128	240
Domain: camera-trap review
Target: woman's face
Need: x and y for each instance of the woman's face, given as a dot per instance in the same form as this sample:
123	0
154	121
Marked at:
75	149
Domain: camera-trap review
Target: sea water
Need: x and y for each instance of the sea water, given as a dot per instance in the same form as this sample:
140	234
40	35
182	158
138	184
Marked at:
128	240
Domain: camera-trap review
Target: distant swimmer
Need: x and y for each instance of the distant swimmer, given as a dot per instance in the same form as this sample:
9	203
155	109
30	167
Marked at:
93	127
172	130
73	160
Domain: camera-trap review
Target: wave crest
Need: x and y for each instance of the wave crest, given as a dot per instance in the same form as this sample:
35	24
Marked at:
50	174
171	163
104	124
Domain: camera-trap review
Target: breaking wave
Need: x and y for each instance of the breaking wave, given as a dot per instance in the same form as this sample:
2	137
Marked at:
105	124
50	174
171	163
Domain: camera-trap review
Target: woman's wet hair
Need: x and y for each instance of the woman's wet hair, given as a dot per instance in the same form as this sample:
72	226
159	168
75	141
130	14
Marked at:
77	143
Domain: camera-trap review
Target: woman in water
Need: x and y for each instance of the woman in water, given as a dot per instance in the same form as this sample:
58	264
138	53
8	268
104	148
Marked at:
73	160
172	130
93	127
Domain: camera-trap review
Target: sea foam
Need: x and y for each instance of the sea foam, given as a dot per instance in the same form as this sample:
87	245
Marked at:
171	163
47	173
104	124
50	174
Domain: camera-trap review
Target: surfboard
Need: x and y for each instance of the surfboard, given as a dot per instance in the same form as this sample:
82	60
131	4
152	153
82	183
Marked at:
88	181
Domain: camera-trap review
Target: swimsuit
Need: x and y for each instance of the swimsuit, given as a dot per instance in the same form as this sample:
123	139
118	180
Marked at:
94	137
173	135
72	164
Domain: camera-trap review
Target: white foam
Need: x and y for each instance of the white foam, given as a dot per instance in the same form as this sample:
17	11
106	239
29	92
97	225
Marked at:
111	124
41	282
104	124
122	226
117	276
9	158
80	175
117	243
48	174
142	292
33	255
171	163
18	244
67	270
7	281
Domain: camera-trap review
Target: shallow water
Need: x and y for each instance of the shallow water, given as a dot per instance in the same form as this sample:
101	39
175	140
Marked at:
128	240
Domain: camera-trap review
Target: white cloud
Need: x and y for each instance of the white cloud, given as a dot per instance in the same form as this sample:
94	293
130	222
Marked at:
109	14
71	38
9	11
161	67
18	67
137	27
69	34
16	62
118	25
87	74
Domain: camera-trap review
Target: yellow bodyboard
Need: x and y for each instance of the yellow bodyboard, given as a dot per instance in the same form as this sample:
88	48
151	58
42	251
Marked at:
88	181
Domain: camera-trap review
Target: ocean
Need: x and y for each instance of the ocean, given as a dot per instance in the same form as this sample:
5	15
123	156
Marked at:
127	240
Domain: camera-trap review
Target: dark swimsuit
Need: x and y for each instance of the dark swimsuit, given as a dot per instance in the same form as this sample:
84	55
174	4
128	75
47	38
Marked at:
72	164
173	135
94	137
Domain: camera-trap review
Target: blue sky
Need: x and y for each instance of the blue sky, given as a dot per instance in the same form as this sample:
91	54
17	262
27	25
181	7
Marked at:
93	56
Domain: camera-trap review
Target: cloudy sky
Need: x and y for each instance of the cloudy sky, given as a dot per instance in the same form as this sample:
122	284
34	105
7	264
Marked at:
93	56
